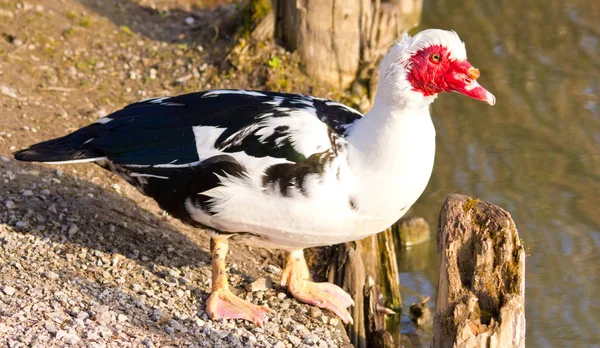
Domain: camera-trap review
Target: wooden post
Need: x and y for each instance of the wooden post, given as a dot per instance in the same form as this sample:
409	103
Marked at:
334	37
481	287
364	269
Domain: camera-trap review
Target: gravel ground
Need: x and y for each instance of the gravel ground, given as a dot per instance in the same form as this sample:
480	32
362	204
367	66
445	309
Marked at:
87	268
85	259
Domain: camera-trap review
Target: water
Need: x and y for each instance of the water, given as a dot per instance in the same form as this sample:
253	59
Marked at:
535	153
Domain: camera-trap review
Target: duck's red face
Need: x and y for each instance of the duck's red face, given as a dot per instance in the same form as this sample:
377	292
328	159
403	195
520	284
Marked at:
433	71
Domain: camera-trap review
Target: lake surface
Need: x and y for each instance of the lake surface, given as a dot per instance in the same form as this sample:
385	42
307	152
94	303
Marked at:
536	153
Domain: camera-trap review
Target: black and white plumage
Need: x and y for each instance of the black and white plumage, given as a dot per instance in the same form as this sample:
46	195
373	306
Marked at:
198	154
281	170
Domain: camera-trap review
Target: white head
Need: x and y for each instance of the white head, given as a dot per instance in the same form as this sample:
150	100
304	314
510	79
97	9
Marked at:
419	67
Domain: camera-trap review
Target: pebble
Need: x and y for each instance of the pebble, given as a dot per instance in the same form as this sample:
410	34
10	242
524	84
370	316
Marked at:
147	342
71	338
72	230
273	270
334	321
189	20
51	275
296	341
261	284
9	204
9	290
311	339
315	312
175	325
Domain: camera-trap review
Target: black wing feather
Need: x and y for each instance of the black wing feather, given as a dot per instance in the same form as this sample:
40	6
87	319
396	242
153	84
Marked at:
141	137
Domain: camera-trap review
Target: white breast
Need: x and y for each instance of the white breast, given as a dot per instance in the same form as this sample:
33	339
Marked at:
393	168
366	188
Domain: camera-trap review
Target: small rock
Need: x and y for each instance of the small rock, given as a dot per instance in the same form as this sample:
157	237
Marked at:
261	284
51	275
50	328
279	345
71	338
103	318
9	91
72	230
189	20
27	193
294	340
273	269
175	325
169	330
60	334
9	204
21	224
315	312
99	309
147	342
311	339
183	79
121	318
9	290
334	321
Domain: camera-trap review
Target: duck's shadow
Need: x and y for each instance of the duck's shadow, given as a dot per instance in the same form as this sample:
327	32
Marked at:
67	209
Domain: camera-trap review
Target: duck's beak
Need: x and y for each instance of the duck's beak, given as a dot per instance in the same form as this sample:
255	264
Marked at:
462	78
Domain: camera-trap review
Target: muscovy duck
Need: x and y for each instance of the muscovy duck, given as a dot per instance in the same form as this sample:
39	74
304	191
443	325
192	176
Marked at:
280	170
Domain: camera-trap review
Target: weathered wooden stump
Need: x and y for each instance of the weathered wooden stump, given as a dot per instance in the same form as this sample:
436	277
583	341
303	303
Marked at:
365	269
481	287
334	37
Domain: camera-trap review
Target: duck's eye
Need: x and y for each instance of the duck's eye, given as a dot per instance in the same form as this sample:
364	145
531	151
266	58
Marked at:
435	57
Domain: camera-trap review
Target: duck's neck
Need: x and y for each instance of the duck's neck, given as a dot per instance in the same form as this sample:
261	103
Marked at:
388	131
390	159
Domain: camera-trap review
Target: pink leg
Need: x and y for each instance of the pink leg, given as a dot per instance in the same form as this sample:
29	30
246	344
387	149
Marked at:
222	303
324	295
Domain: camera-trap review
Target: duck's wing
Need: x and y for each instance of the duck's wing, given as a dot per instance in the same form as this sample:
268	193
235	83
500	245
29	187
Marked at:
177	147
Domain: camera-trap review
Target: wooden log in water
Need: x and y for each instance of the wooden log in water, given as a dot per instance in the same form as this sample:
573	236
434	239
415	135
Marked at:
481	287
